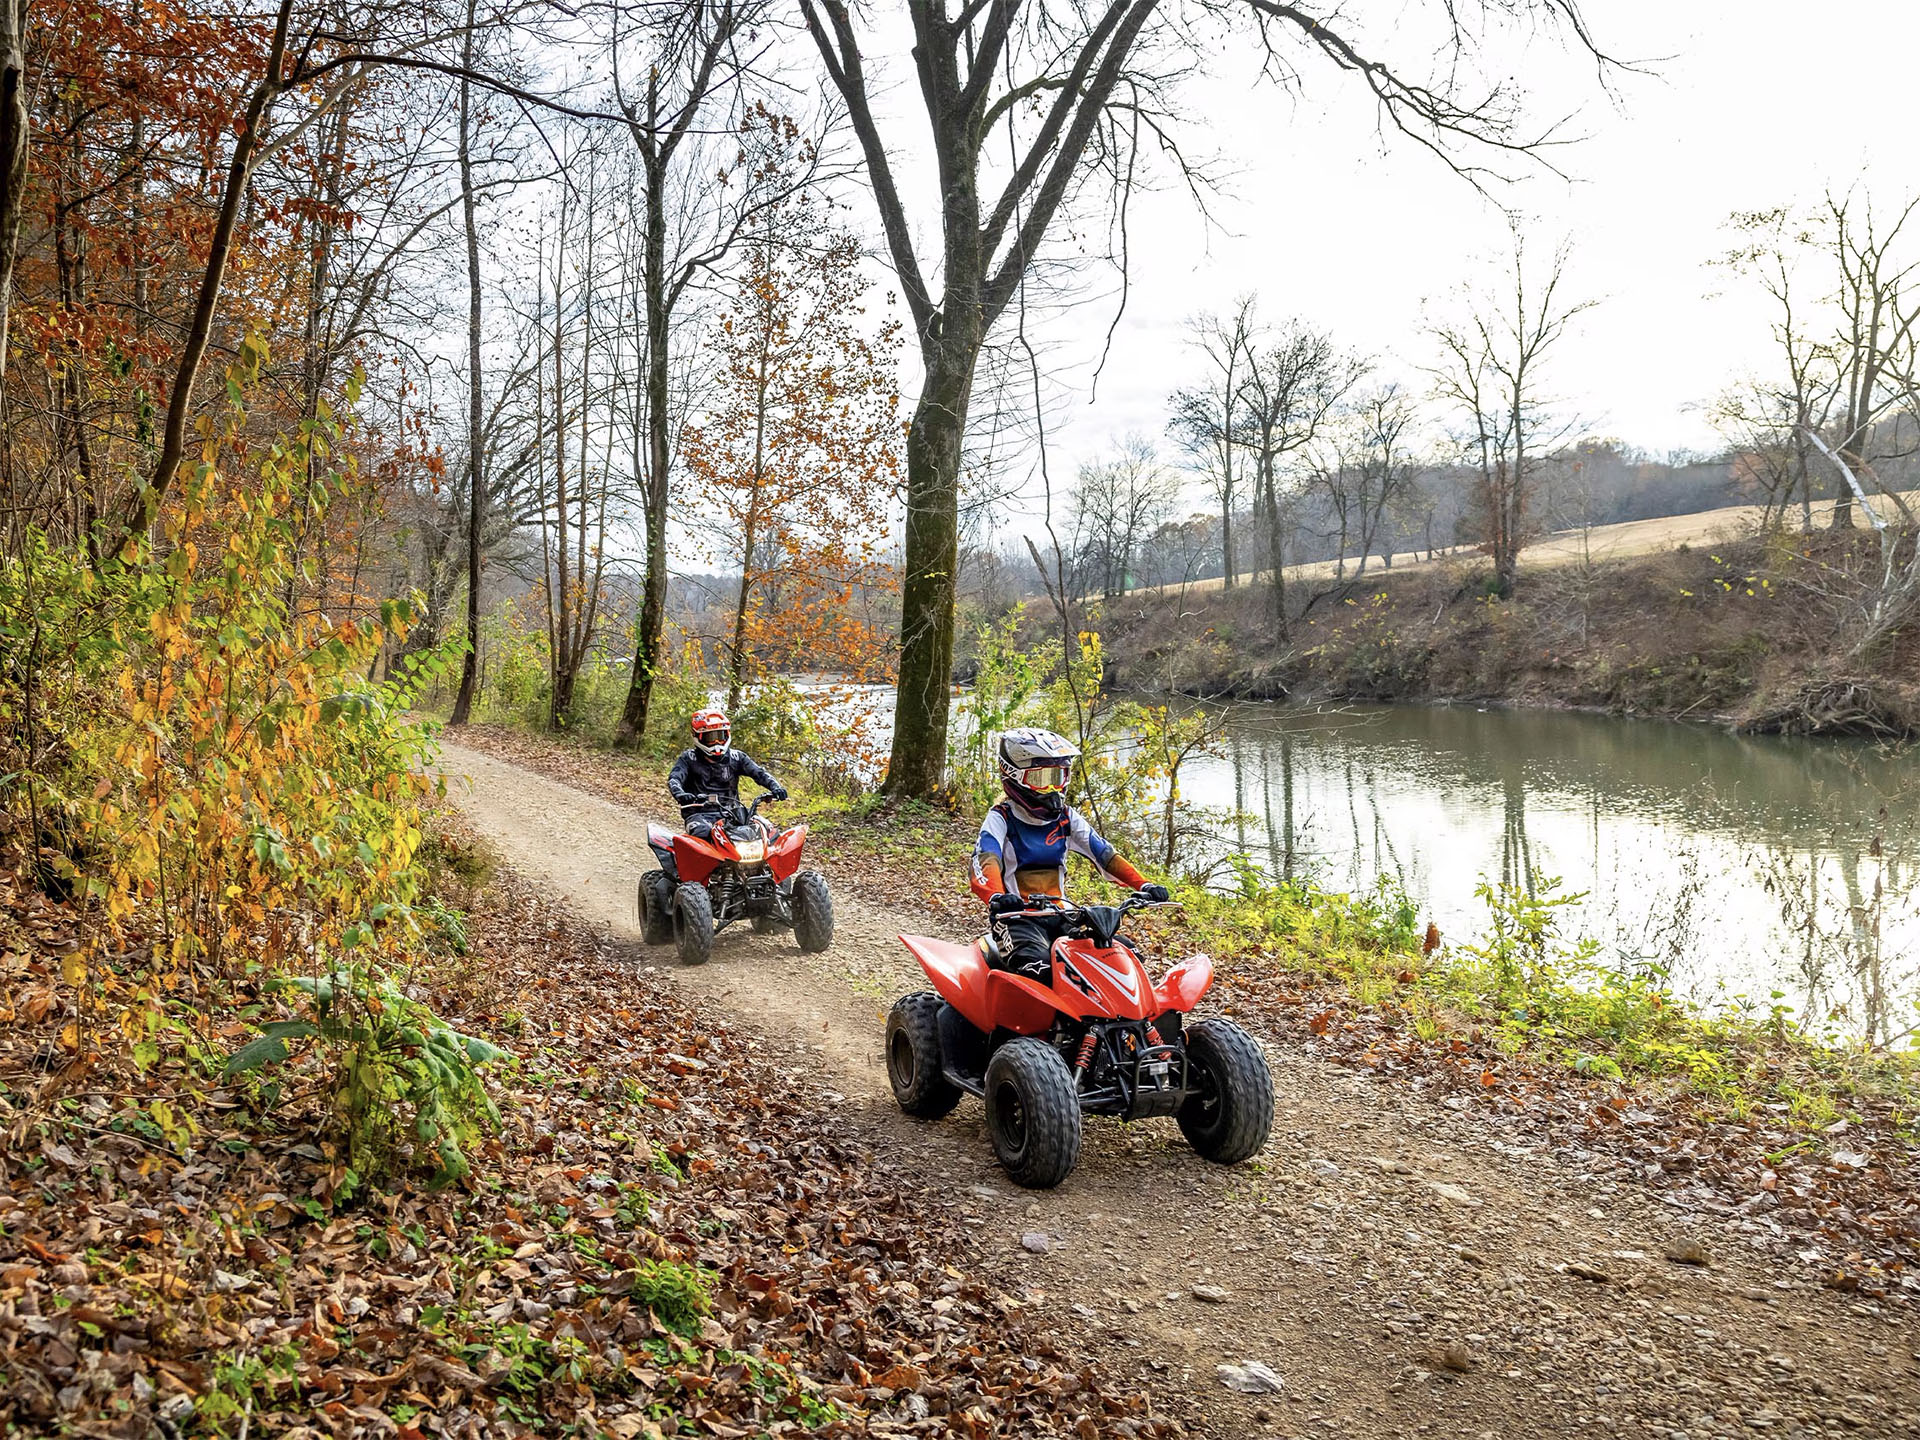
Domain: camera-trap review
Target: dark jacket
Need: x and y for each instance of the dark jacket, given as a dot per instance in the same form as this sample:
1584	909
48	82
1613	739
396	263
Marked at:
696	775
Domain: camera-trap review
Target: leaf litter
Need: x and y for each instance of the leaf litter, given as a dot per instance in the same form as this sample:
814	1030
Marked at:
671	1233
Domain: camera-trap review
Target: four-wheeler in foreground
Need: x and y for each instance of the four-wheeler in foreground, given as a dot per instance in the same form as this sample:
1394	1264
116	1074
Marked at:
749	869
1100	1039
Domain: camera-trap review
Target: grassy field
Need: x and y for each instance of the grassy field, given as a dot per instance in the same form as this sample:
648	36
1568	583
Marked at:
1627	540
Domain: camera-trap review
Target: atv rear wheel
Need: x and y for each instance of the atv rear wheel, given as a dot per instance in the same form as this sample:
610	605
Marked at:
1033	1114
1228	1115
693	924
656	908
915	1066
812	912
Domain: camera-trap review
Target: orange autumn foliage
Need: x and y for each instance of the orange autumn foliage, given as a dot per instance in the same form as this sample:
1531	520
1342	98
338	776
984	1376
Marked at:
796	462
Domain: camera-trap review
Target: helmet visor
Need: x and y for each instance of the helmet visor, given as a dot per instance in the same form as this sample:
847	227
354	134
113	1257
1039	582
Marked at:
1046	779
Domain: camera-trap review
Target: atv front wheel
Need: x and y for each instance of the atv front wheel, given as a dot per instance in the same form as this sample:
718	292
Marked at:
656	908
1033	1114
812	912
1230	1110
693	924
914	1062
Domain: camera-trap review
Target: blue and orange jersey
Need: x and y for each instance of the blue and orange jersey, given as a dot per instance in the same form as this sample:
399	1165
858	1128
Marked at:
1019	856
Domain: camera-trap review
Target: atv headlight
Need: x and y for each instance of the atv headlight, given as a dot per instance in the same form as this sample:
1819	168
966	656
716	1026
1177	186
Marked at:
752	852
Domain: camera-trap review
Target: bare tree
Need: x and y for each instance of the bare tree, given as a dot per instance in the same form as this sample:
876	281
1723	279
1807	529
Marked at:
1066	93
715	162
1769	421
1206	418
1117	503
1492	372
1370	473
1293	384
1876	347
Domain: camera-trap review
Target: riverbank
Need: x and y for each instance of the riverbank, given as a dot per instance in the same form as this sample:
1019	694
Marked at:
1753	632
1712	1111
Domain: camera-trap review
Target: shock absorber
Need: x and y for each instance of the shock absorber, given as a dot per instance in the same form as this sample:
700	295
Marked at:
1088	1044
1153	1034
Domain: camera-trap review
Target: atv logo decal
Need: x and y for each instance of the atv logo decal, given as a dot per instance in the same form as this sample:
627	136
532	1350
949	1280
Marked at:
1126	979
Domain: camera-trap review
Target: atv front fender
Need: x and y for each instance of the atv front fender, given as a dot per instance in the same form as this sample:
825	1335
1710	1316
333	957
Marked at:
1181	987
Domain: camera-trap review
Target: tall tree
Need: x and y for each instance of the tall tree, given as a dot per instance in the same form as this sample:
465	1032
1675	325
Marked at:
697	58
476	417
1064	91
1492	373
1206	419
1293	383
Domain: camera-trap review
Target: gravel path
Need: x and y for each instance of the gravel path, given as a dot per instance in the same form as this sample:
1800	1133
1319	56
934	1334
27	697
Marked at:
1403	1269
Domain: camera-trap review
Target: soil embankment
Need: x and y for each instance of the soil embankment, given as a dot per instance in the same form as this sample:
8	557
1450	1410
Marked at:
1405	1265
1756	632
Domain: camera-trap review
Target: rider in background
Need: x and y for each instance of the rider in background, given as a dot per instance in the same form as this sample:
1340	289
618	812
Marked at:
705	780
1024	844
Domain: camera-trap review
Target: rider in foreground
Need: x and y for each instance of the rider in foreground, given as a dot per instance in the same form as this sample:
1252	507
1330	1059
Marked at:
1024	844
705	780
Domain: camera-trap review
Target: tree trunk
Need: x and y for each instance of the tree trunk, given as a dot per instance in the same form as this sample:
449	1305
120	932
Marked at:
1226	539
560	691
1276	552
14	132
653	602
470	666
919	760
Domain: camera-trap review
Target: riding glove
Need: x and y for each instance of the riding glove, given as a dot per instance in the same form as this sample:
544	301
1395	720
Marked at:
1155	892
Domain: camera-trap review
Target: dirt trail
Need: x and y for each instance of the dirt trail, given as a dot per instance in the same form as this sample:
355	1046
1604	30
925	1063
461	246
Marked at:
1405	1268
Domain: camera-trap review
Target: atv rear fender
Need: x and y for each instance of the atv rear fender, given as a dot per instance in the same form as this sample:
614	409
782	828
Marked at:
1181	987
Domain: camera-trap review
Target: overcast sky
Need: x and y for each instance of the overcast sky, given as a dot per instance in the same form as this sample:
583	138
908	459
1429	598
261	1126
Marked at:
1750	103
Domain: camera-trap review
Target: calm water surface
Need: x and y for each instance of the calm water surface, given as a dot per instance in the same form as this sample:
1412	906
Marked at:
1741	865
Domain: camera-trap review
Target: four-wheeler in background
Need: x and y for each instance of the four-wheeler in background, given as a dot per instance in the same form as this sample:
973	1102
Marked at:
748	870
1100	1039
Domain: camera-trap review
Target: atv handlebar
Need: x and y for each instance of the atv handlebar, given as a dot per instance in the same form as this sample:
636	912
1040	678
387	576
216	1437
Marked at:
1045	905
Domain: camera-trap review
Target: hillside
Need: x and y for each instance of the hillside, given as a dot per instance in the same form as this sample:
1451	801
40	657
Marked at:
1647	620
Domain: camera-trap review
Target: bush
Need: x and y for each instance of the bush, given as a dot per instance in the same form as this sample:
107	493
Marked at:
240	801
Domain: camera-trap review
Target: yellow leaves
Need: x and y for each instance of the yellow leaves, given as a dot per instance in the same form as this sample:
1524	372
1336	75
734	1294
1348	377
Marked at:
73	969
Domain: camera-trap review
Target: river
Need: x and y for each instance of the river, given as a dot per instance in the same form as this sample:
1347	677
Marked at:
1748	869
1741	866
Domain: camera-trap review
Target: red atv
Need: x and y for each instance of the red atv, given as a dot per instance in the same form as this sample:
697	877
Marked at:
1101	1039
749	869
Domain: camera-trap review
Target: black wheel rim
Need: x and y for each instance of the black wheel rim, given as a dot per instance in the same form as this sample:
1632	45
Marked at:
900	1061
1010	1119
1207	1090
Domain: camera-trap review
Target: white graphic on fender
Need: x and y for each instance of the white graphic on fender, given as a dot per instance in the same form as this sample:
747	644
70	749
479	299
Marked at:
1128	980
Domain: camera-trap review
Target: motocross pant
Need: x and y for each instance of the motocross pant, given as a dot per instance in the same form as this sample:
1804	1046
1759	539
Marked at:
700	824
1026	944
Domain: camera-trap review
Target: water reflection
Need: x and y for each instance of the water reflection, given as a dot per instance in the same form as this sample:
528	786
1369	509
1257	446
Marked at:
1741	865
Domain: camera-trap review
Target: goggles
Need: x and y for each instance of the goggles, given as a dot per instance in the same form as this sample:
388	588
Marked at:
719	736
1043	779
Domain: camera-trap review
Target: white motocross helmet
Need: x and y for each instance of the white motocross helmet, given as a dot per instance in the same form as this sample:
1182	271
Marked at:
1035	766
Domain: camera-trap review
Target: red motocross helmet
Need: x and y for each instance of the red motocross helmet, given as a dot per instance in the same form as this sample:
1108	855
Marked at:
712	732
